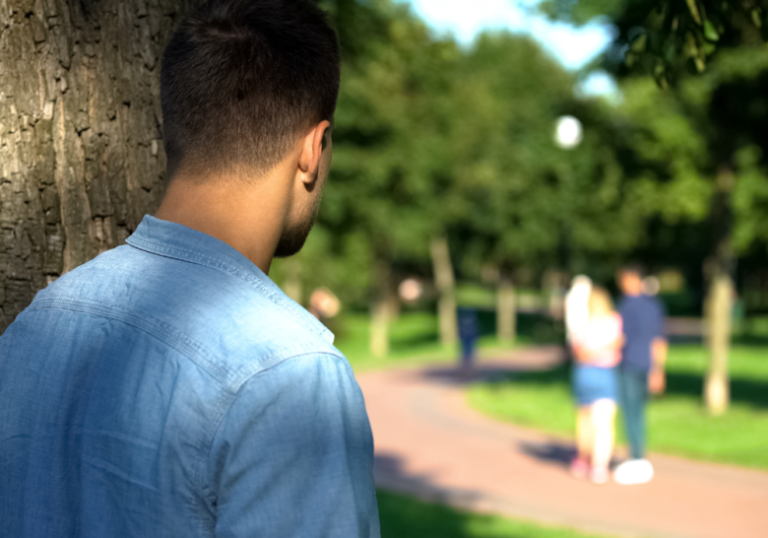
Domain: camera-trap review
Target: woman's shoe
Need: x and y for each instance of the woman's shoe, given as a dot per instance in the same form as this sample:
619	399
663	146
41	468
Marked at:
579	467
599	475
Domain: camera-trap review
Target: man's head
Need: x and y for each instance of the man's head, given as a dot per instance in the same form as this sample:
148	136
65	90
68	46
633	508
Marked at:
245	84
630	279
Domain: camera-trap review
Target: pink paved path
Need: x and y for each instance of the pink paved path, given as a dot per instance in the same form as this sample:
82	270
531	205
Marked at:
430	444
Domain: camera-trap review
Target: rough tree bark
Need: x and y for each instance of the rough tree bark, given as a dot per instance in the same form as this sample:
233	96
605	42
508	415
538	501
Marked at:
446	288
81	156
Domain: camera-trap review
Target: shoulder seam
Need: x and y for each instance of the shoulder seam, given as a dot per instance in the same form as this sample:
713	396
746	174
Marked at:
175	253
146	323
230	380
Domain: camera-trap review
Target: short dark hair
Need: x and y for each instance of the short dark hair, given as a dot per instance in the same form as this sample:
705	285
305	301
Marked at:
242	78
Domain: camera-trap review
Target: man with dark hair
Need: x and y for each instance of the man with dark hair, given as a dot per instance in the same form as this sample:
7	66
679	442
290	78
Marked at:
168	387
641	369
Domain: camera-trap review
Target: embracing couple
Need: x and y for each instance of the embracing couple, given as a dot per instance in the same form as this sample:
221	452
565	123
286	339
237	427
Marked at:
619	358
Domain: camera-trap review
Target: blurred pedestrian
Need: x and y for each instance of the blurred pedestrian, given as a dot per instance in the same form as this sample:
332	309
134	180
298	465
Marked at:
323	304
597	349
641	370
469	332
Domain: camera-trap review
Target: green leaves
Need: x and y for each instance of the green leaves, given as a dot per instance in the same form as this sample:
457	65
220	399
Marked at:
669	38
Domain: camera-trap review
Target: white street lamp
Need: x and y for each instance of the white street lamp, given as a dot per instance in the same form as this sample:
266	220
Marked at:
568	132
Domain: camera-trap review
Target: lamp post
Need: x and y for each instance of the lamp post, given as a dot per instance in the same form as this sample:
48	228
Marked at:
569	133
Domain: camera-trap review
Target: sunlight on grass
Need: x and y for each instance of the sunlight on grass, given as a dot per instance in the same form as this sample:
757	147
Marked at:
404	517
677	423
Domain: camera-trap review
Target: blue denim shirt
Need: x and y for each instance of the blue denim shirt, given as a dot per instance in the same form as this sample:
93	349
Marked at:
169	388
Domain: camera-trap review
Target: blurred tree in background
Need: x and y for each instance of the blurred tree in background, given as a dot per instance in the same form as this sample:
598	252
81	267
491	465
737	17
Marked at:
668	38
699	149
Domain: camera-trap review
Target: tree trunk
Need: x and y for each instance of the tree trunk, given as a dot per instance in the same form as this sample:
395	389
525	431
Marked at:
506	316
719	307
446	288
380	329
381	309
81	156
716	390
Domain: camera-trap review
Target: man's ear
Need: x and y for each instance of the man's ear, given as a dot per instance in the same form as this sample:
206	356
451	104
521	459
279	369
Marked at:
313	145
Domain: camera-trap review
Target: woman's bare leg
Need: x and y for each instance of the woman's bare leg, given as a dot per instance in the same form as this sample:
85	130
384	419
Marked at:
603	414
584	433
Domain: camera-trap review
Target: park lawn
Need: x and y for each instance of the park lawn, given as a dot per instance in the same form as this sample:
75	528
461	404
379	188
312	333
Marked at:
413	339
677	422
405	517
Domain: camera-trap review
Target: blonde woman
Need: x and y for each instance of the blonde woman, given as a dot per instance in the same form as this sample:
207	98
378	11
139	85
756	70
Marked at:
597	350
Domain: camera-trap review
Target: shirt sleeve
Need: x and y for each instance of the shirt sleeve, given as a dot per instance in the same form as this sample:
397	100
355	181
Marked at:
293	457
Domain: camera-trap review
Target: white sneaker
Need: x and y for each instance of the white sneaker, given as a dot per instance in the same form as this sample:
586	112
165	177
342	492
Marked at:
633	472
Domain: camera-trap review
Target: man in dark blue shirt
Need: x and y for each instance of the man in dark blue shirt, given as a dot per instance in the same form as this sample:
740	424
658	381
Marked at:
641	370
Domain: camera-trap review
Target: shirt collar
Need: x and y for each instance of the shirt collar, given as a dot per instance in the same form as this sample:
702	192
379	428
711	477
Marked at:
177	241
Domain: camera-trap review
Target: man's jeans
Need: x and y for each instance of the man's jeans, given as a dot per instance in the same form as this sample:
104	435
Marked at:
633	387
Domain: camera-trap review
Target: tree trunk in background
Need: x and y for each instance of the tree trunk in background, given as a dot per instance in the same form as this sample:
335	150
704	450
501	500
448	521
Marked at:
506	328
381	309
720	300
716	390
380	329
446	288
81	155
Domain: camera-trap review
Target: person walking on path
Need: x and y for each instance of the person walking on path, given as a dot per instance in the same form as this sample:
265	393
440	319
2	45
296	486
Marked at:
168	387
469	332
641	370
597	351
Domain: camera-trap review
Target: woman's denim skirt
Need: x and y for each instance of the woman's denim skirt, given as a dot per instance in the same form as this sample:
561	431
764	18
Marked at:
592	383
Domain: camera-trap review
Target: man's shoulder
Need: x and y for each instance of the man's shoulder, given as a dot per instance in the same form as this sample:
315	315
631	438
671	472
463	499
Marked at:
230	327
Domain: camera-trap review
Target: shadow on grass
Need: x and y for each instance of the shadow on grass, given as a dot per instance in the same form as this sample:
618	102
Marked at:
747	391
427	517
756	340
402	517
419	510
402	344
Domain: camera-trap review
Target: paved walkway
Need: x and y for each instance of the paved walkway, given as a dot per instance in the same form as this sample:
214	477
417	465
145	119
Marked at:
431	445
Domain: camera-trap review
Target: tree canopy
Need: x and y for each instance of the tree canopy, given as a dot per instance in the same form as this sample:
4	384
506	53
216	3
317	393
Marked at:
669	37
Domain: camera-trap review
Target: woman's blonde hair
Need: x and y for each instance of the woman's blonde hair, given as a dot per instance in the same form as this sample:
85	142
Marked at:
600	302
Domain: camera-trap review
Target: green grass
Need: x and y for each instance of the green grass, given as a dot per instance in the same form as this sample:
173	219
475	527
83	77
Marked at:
404	517
413	340
677	422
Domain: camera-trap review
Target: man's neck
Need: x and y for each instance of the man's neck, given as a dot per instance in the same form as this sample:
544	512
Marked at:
247	218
